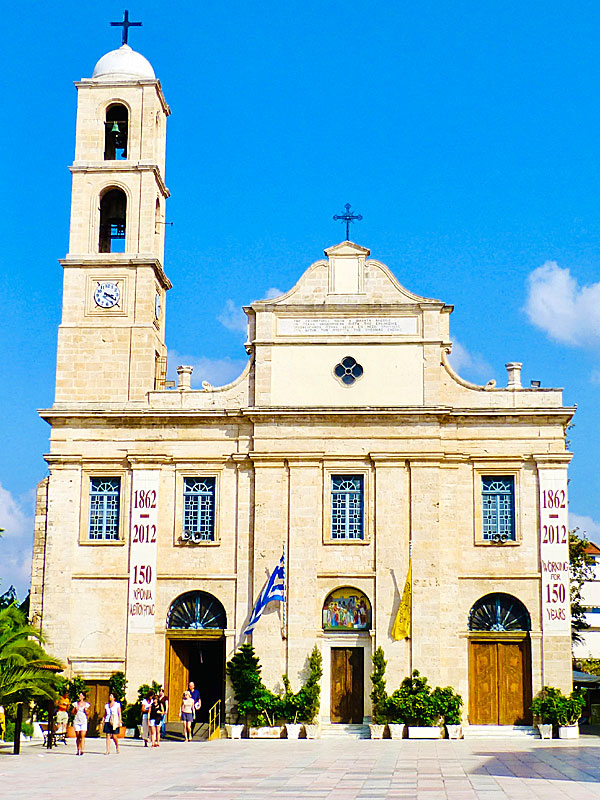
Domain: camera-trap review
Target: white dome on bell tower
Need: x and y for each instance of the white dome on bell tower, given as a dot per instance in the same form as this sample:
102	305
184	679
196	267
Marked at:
123	64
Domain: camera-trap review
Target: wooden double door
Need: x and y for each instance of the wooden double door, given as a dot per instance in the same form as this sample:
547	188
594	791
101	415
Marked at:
200	659
500	682
347	685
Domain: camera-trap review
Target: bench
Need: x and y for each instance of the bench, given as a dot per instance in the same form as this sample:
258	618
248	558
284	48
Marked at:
58	737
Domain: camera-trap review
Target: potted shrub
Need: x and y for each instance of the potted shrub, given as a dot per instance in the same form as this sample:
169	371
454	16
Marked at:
290	710
414	704
544	712
378	695
449	704
555	708
309	696
568	712
255	703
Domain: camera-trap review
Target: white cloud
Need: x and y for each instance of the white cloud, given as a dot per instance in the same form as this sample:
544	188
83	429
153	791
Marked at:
16	541
233	317
567	312
468	362
217	371
590	527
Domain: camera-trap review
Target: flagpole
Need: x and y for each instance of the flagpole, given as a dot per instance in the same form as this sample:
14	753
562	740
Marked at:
284	631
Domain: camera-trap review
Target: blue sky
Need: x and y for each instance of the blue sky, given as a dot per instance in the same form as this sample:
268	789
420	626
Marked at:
466	134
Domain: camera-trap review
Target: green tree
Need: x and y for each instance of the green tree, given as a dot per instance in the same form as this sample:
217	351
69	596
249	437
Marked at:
581	565
379	697
27	672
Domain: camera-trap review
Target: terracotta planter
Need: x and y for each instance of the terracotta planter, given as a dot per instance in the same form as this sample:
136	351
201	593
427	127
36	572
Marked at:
568	731
293	729
376	731
397	730
424	733
545	730
275	732
70	732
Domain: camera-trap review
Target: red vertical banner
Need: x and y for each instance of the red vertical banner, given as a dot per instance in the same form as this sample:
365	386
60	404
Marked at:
554	551
143	544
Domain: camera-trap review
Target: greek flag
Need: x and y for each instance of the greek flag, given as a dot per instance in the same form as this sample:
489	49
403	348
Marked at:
274	590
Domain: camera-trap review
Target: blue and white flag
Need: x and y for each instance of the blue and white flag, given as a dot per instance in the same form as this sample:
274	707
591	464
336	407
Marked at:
274	590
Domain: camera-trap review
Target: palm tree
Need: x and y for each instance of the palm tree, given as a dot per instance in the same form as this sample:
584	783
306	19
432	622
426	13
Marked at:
26	670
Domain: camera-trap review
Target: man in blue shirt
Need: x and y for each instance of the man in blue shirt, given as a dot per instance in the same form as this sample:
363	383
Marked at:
195	694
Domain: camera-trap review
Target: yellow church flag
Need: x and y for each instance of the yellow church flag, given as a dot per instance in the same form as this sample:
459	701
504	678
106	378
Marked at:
401	628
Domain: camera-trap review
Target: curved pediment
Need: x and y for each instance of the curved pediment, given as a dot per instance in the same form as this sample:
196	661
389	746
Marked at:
347	277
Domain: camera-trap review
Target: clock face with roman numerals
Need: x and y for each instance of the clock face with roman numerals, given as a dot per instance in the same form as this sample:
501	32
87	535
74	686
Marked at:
107	295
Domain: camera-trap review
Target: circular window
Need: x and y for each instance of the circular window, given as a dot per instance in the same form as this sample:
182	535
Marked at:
196	611
348	370
499	612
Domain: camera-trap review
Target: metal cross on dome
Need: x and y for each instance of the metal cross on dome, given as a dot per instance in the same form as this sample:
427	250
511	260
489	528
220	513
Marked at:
347	218
126	25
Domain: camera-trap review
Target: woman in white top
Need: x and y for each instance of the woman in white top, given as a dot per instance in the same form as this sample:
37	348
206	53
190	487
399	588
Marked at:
146	704
112	722
80	723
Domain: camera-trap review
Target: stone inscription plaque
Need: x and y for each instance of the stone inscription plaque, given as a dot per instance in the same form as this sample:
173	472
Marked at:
347	326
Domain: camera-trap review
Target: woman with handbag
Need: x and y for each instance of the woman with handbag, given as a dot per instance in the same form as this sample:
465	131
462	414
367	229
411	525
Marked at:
112	722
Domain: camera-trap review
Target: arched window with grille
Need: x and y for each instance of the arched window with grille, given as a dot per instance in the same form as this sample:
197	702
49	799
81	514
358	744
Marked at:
113	220
499	612
196	610
116	132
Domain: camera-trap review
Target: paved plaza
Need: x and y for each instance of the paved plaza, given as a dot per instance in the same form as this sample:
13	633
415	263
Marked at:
331	769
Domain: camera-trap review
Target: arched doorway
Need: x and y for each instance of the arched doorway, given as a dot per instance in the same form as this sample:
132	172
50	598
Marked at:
499	661
346	615
195	651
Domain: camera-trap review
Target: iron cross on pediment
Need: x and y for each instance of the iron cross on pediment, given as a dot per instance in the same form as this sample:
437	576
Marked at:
126	25
348	217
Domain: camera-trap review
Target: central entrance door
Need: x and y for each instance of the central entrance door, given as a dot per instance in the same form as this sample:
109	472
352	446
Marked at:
500	682
200	659
347	685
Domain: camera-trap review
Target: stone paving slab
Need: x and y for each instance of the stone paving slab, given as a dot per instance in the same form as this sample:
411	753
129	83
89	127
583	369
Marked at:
329	769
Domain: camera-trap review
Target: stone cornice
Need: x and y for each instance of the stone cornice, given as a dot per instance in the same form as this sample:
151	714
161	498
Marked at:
121	166
90	83
111	260
260	413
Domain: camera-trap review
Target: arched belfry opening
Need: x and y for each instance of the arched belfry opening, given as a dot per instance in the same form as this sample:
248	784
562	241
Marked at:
113	215
116	132
195	633
499	661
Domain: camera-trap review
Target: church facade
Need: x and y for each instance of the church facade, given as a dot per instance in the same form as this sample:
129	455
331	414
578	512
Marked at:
349	444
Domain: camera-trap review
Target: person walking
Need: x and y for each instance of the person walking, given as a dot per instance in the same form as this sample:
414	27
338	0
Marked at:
195	695
146	703
187	715
164	701
112	722
62	713
80	723
154	720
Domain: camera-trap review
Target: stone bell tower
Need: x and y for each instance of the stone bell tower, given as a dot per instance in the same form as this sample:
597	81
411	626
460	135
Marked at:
111	346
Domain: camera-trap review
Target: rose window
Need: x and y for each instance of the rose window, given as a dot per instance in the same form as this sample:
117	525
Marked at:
348	370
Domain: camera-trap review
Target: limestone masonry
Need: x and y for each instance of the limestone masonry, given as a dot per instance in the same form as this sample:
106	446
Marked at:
348	440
